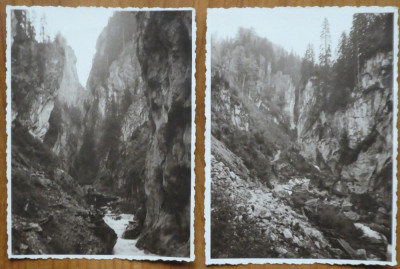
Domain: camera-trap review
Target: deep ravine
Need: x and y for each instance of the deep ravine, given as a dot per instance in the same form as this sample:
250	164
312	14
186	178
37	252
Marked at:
109	138
301	162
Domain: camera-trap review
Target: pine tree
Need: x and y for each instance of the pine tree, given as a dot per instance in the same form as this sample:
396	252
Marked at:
308	63
343	77
325	48
43	26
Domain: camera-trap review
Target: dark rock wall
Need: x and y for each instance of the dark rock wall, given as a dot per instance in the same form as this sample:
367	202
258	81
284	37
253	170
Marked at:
165	39
138	123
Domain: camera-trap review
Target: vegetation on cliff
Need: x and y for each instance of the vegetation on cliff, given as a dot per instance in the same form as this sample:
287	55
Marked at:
302	149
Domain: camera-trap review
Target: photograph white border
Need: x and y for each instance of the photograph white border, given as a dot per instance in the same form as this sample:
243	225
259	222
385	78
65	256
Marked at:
207	196
193	143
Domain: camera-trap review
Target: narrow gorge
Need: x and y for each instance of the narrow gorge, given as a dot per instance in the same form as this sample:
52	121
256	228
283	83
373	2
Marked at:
301	152
83	157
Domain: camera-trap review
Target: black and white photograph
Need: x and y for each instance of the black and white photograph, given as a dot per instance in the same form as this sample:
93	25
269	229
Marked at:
301	138
100	125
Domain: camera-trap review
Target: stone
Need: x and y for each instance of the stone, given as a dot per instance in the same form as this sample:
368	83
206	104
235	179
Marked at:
274	238
337	252
23	247
373	257
361	254
352	215
346	205
382	210
312	202
132	230
281	250
34	227
370	235
297	241
287	234
340	189
232	175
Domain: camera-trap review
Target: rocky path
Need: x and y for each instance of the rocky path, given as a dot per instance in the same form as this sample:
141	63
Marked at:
265	221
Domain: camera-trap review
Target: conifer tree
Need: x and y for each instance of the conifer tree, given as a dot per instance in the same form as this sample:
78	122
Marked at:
308	63
325	48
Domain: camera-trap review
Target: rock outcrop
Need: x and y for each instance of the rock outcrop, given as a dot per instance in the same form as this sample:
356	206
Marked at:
321	151
49	213
354	143
168	160
128	134
137	136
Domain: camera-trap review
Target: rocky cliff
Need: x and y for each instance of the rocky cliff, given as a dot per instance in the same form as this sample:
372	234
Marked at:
116	112
168	161
48	206
354	143
129	133
47	96
323	151
136	141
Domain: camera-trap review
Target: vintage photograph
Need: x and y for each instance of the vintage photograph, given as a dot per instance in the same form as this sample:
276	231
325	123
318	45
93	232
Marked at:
100	124
301	143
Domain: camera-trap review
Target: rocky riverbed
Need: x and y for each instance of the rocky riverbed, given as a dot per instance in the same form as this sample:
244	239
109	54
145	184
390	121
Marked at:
119	223
293	220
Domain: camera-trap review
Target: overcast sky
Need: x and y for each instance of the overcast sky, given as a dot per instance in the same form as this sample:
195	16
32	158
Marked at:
292	28
80	26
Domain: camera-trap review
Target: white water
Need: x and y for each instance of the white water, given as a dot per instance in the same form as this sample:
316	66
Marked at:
123	246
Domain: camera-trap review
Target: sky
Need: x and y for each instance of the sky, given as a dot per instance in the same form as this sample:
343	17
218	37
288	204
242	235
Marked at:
292	28
79	26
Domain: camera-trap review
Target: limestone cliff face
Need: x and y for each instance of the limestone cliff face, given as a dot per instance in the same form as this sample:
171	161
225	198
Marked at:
284	96
116	133
64	133
47	108
137	135
70	91
226	105
35	83
47	95
356	142
168	166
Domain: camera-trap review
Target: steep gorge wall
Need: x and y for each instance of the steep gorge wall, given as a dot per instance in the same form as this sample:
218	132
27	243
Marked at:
116	132
354	143
136	140
46	93
168	161
46	129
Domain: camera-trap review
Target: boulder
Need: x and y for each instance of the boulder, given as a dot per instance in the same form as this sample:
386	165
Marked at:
370	235
33	227
132	230
352	215
287	234
106	234
340	189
